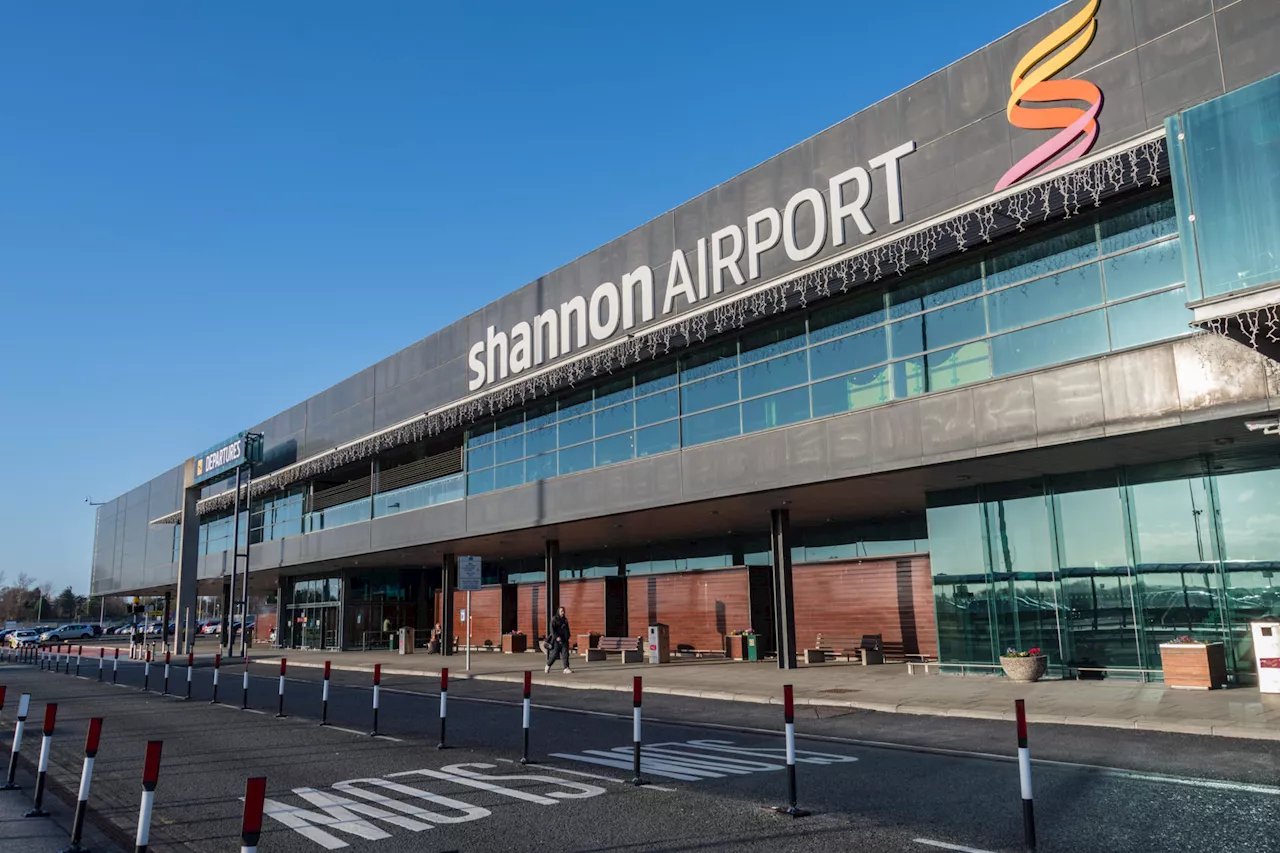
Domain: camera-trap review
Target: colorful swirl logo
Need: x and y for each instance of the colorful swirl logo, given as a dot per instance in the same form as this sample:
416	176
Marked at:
1032	83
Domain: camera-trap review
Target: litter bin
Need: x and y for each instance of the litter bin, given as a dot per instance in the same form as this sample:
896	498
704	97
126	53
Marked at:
752	650
405	641
659	643
1266	650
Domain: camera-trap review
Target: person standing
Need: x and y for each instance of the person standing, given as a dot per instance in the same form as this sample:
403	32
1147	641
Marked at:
558	641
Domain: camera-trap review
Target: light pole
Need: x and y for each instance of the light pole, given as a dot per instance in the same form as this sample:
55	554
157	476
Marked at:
102	612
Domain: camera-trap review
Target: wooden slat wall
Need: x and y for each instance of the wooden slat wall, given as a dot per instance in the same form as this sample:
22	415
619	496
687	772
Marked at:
486	610
892	597
583	601
699	607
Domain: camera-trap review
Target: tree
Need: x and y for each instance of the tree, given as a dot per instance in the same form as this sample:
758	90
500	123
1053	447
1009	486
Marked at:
66	604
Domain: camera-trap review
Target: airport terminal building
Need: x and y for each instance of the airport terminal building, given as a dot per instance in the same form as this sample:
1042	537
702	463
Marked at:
971	369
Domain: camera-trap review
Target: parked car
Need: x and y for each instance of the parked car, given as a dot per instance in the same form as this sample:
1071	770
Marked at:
97	630
67	633
212	626
23	637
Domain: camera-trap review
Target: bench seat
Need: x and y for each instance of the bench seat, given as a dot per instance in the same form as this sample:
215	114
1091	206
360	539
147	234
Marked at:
627	647
869	649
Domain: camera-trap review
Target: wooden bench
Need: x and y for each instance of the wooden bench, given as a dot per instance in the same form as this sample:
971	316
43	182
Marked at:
868	648
628	647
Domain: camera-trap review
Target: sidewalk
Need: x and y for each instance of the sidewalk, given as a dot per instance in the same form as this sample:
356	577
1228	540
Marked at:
1241	712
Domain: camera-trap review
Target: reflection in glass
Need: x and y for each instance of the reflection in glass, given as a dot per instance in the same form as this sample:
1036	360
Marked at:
1151	318
777	410
1051	343
1043	256
908	378
1047	297
775	374
658	407
1024	585
1250	524
506	476
855	391
615	419
658	439
711	426
618	448
709	393
906	337
963	321
961	584
851	353
961	365
1142	270
578	458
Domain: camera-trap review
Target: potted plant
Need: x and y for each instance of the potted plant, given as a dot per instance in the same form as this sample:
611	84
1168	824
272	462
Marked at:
1024	667
1191	664
515	642
735	645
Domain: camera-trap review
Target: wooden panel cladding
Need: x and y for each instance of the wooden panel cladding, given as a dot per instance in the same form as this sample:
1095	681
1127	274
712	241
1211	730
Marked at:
848	598
583	600
486	611
421	470
699	607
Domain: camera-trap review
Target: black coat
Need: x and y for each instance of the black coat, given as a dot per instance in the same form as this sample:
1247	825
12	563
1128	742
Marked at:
559	629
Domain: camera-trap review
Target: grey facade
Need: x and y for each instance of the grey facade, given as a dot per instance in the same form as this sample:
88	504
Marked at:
1151	59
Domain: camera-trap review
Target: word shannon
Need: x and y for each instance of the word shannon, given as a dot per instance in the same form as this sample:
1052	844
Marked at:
802	229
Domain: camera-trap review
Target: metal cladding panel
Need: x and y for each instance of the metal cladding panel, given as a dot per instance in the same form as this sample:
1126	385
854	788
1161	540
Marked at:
948	429
1216	373
413	527
347	425
1069	403
1140	390
654	481
1005	414
1247	34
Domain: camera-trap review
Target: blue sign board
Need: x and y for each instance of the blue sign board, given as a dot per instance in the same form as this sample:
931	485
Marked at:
225	457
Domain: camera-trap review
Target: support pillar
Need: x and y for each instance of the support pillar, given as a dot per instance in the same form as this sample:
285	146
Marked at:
448	580
551	562
164	625
188	560
783	598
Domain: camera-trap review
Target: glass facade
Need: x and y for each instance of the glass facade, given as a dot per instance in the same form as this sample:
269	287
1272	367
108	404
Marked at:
1104	281
1225	160
1098	569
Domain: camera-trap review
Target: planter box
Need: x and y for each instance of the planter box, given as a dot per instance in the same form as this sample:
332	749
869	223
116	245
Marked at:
735	647
587	641
514	644
1194	666
1024	670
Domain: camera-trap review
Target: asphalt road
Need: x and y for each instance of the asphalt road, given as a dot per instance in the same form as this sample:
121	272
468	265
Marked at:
713	766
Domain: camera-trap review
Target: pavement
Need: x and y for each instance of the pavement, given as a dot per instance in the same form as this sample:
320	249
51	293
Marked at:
1240	712
873	781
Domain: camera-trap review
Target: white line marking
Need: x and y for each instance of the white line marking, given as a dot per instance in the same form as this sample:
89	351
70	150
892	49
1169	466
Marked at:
253	711
388	737
595	776
360	733
945	846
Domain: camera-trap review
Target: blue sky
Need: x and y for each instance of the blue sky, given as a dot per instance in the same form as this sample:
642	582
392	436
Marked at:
210	211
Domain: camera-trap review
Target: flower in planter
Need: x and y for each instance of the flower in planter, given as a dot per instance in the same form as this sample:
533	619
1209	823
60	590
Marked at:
1184	640
515	633
1029	653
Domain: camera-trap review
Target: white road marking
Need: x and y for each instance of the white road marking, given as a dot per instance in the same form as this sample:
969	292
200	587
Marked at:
253	711
596	776
945	846
358	732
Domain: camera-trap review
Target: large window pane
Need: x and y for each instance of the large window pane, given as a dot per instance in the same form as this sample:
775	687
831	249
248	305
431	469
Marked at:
1149	268
615	419
576	405
908	378
1096	579
656	378
711	426
765	376
936	290
708	393
658	407
540	440
845	354
479	435
1173	556
1041	257
1250	526
578	458
963	321
612	393
1151	318
776	410
1024	593
511	474
1150	221
843	318
509	449
855	391
657	439
541	467
906	337
480	482
775	340
1044	298
715	359
1050	343
961	584
1232	150
618	448
961	365
480	457
576	430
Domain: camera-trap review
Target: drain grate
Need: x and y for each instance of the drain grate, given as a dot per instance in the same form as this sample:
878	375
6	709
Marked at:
839	690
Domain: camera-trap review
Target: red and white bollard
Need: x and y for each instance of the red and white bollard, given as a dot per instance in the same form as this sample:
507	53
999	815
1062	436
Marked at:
789	720
377	681
115	668
191	665
444	704
146	672
255	795
79	654
283	662
636	691
528	688
150	775
3	691
165	692
24	705
42	770
86	776
244	686
324	697
217	665
1024	776
102	661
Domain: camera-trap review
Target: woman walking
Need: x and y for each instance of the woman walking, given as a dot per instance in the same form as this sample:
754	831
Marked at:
558	641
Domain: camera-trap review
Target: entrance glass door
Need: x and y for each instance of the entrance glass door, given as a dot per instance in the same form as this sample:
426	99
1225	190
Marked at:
314	627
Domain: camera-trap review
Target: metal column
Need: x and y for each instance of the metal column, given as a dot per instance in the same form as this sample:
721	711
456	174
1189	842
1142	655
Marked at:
248	540
448	580
551	562
783	599
188	560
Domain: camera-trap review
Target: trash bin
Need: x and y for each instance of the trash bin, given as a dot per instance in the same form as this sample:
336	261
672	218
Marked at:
659	643
752	650
1266	650
405	637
